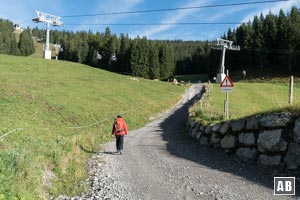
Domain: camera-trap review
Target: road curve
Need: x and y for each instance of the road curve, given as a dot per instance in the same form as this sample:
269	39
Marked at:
161	161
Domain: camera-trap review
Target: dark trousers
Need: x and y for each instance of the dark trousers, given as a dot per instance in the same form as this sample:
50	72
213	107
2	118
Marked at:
119	142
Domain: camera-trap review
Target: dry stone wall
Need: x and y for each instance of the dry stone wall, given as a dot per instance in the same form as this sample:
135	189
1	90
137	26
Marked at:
272	139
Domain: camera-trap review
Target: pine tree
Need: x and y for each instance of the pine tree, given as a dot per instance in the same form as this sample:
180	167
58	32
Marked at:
294	28
139	57
270	30
270	33
134	57
26	45
82	46
8	43
258	32
293	35
281	36
94	43
154	66
167	66
14	50
4	42
124	54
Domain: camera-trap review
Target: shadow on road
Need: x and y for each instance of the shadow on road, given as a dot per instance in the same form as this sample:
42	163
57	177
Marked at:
180	144
110	152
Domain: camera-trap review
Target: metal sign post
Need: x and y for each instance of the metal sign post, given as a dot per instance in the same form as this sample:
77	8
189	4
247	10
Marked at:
291	90
226	86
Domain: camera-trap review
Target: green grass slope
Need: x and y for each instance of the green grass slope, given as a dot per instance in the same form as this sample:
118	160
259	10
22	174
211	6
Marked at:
54	114
39	52
247	99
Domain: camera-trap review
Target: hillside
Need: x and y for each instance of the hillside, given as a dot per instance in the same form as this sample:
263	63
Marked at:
247	99
39	46
55	114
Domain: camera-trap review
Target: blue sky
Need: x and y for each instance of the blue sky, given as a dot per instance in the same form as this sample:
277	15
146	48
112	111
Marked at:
22	11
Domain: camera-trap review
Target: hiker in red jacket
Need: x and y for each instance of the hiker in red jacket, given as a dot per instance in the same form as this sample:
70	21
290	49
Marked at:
119	130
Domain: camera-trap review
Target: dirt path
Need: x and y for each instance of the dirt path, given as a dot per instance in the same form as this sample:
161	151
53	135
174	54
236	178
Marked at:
160	161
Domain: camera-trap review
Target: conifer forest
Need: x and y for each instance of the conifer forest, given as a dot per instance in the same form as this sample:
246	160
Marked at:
269	42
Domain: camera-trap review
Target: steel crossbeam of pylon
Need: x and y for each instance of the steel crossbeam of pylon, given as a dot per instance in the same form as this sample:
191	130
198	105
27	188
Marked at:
224	45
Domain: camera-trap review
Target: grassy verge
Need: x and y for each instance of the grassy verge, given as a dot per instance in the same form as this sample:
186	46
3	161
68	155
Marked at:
246	99
39	49
63	111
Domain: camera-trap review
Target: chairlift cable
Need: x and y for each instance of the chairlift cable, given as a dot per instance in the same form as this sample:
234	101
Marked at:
154	24
174	9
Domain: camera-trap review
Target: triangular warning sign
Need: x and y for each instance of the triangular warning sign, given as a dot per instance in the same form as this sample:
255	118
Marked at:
227	82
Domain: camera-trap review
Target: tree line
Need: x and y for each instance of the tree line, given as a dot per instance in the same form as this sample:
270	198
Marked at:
267	42
154	59
139	56
12	45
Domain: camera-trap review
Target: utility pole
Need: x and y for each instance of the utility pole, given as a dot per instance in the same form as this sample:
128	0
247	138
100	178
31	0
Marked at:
48	20
223	45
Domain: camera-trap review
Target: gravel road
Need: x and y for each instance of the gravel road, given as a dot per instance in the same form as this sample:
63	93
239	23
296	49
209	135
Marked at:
161	161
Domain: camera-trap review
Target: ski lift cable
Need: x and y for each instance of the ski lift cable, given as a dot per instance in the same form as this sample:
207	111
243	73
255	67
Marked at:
174	9
154	24
167	9
25	21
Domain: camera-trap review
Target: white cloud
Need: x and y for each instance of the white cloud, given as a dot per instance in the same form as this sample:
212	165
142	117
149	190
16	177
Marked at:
23	11
14	10
210	15
173	18
201	15
285	6
189	34
109	6
223	13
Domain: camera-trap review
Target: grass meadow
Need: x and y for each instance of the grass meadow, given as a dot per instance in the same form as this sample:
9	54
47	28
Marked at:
246	99
58	113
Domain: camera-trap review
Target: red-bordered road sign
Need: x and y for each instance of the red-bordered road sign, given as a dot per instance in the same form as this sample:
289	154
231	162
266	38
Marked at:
226	85
227	82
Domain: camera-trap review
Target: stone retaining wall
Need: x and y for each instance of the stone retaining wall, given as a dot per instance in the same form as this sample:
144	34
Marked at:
272	139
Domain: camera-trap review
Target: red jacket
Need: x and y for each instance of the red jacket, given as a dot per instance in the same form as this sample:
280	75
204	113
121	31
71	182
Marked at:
122	127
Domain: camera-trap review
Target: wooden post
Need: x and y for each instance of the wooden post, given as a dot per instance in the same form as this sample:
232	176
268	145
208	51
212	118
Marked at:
225	109
226	86
227	105
290	61
209	85
291	90
227	100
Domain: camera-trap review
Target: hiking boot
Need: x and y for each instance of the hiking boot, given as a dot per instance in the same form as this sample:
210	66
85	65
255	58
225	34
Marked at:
121	153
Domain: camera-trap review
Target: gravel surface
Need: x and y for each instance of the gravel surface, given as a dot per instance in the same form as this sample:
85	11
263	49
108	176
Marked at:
161	161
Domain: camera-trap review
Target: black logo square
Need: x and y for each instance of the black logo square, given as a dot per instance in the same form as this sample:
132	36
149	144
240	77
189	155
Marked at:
284	185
